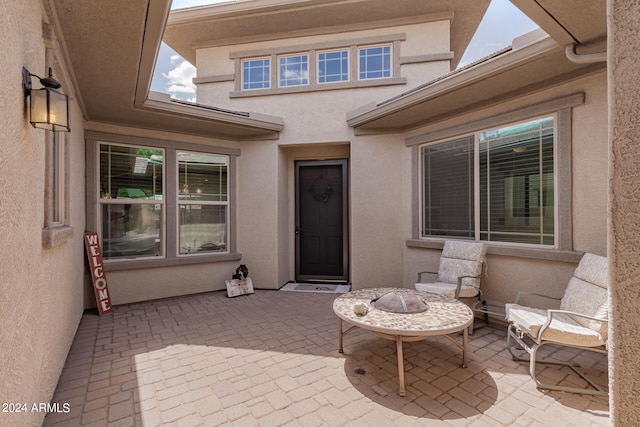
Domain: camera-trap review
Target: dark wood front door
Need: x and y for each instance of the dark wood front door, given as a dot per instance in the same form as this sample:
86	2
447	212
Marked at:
321	220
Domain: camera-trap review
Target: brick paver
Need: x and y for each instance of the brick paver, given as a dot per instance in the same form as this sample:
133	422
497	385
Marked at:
271	359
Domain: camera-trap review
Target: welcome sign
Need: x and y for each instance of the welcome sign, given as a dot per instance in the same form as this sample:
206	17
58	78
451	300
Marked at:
94	254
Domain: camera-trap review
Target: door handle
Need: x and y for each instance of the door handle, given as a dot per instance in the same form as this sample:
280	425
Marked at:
298	230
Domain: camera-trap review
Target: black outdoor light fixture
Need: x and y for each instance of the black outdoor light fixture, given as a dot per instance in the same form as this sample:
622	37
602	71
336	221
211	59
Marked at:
49	108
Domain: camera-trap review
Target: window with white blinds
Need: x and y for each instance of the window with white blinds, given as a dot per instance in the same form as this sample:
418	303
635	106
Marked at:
495	185
447	190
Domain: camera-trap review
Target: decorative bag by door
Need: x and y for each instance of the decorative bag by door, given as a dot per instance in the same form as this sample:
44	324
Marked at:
240	284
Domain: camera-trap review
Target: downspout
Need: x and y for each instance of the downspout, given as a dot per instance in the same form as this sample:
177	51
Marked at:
570	51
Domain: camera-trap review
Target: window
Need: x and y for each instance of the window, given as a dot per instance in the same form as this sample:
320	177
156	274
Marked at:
294	70
256	73
58	179
56	195
495	185
131	201
333	66
318	66
203	202
374	62
448	189
161	202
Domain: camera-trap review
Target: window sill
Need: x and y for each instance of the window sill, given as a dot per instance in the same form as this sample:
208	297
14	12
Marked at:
131	264
512	251
56	235
320	87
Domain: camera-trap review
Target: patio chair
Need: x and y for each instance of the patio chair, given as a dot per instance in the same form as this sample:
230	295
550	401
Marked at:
580	322
462	266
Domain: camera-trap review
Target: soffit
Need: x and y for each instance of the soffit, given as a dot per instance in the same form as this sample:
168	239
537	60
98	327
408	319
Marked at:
111	47
258	20
508	75
568	21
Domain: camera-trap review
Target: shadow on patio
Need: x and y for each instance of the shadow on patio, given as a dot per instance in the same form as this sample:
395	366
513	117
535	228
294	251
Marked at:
272	358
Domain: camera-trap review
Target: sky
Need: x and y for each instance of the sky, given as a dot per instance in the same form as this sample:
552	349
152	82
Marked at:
500	25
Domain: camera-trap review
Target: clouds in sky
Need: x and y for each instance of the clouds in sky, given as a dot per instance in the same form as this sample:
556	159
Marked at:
179	79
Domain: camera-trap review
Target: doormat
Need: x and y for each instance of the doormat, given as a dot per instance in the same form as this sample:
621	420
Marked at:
327	288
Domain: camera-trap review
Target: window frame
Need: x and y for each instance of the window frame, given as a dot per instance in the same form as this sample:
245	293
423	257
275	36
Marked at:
319	63
171	257
393	41
266	83
383	70
185	202
104	201
304	81
56	227
562	106
476	212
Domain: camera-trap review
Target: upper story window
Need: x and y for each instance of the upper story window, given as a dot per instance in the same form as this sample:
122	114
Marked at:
333	66
256	73
495	185
366	62
374	62
294	70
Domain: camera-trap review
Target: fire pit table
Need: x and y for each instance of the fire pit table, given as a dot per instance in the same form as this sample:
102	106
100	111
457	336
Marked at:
403	315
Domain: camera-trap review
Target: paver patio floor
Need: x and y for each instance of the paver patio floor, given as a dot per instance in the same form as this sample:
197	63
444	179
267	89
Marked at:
271	359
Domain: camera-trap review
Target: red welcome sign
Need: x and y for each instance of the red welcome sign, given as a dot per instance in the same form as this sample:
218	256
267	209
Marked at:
94	253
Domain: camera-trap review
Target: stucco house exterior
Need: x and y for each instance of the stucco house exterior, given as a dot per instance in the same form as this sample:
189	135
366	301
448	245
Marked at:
326	143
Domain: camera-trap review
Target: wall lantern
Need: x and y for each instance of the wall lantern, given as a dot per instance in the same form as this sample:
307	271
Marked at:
49	108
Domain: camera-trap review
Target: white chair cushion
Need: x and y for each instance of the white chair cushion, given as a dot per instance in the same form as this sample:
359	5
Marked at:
471	251
562	329
448	289
588	299
593	269
587	292
450	269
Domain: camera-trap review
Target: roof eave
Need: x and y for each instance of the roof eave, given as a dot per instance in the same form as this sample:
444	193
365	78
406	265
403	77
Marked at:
455	81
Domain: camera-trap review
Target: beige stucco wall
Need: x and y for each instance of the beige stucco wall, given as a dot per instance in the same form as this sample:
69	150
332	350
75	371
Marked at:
144	284
624	237
315	128
507	274
381	184
41	300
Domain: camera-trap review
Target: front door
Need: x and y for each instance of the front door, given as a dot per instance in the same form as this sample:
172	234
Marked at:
321	220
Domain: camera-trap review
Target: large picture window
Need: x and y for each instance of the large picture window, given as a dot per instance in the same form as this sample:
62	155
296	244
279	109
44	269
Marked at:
161	202
203	201
131	201
495	185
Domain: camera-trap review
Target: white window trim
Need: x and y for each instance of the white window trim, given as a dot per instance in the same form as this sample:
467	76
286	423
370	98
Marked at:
352	45
348	51
391	61
270	68
294	55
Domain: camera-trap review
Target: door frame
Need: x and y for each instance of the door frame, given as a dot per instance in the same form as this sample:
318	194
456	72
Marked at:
344	163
